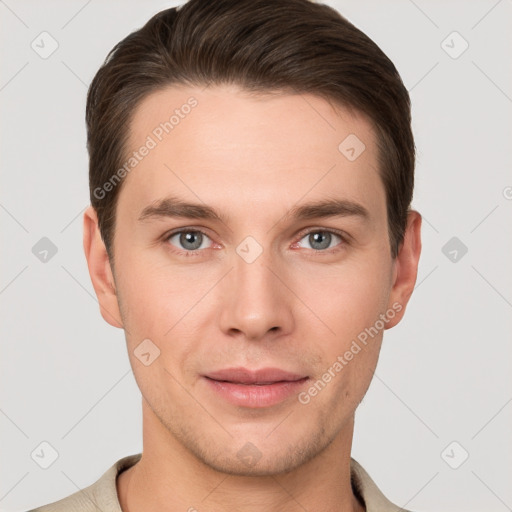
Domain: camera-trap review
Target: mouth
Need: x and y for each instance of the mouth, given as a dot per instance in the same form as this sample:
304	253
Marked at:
255	388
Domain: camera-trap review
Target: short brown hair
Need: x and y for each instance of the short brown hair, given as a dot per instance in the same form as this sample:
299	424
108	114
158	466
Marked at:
294	46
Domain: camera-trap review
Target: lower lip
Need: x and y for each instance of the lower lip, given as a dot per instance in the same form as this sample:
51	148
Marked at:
252	395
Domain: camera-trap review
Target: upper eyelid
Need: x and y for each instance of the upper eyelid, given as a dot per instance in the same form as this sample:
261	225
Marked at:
306	231
171	233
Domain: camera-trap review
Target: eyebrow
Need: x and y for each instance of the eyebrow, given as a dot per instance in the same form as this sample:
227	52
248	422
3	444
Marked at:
175	207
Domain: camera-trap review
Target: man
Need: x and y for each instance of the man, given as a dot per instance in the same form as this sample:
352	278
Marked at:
251	174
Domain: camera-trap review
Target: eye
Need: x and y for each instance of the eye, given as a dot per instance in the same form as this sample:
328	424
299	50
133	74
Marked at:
321	239
189	240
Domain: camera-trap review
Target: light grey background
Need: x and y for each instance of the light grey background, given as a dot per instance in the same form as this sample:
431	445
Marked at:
444	372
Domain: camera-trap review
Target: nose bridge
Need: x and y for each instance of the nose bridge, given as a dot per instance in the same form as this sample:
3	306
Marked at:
254	298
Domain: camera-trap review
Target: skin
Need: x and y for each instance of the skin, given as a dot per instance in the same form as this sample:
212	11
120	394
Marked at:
298	308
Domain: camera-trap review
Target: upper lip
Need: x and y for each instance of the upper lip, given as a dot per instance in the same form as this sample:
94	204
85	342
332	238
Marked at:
261	376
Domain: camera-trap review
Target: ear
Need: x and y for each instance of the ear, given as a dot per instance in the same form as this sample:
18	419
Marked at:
99	269
405	268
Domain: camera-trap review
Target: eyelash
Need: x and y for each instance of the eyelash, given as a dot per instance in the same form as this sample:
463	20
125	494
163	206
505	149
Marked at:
197	252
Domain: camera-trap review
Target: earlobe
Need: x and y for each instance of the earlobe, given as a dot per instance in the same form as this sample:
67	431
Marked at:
100	269
406	267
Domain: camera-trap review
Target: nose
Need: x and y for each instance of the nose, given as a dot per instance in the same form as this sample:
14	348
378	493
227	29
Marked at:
256	303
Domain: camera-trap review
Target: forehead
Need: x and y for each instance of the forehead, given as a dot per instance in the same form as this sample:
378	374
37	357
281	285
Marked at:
225	140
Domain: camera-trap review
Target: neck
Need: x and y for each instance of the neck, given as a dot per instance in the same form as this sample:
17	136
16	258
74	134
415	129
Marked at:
169	478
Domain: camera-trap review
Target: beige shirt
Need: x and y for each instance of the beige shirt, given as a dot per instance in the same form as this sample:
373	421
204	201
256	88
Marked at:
102	495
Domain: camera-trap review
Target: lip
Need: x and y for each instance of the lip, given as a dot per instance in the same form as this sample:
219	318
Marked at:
254	388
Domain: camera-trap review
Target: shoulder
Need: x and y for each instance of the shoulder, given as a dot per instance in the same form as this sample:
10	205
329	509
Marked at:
368	492
101	495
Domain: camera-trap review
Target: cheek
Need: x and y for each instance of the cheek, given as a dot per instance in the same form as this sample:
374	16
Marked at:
164	306
153	298
348	298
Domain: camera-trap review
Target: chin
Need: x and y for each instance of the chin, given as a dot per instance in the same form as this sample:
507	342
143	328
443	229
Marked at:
258	457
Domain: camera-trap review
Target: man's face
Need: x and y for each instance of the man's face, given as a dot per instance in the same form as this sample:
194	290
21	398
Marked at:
259	289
